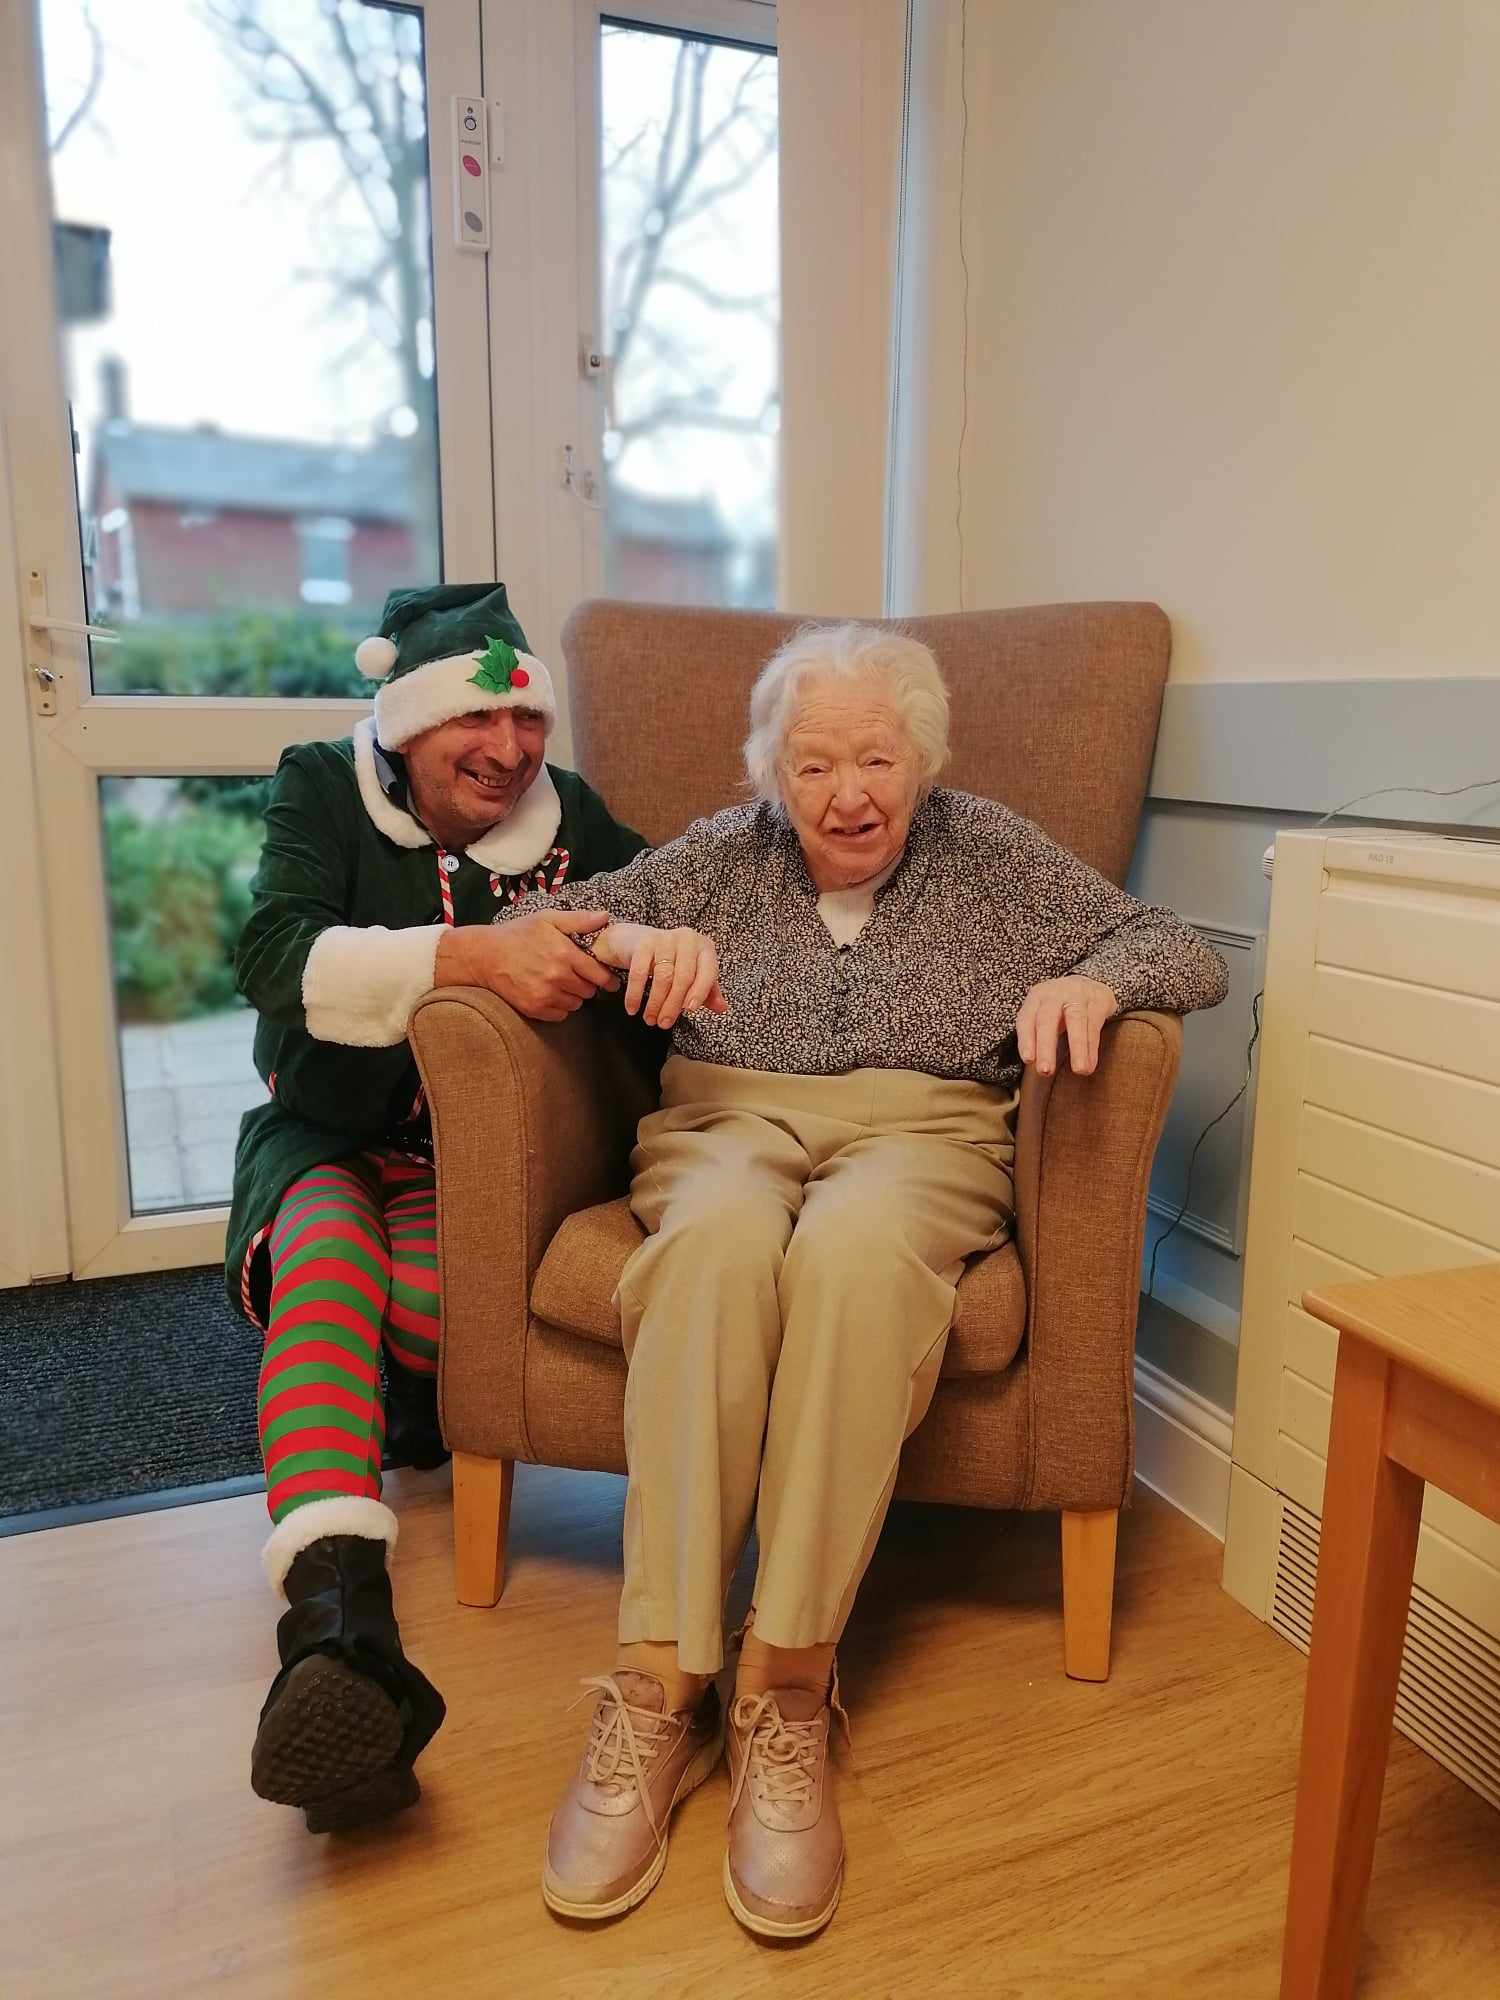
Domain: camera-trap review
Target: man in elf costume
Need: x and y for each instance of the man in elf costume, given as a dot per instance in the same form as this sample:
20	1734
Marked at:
386	858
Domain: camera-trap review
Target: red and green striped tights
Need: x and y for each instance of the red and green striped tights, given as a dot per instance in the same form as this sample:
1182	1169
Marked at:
353	1263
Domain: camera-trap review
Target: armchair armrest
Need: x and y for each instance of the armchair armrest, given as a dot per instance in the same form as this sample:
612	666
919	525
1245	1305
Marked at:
1084	1146
530	1121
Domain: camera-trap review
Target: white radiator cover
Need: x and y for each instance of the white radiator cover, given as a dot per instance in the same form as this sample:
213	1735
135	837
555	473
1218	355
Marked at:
1377	1151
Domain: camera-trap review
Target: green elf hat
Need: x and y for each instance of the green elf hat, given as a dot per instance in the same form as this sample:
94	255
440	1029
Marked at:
447	651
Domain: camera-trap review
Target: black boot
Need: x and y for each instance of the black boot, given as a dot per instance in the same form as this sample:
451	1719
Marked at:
348	1715
413	1435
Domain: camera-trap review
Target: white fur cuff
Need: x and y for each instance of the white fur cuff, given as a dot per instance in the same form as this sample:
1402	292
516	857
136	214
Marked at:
361	982
371	1520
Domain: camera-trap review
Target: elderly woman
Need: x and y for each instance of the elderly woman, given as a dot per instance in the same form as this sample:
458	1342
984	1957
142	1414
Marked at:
854	967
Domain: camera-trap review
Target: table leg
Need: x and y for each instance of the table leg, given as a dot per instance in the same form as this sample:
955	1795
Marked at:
1372	1509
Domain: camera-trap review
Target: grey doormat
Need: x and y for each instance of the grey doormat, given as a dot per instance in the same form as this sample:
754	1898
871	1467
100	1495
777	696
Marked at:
119	1389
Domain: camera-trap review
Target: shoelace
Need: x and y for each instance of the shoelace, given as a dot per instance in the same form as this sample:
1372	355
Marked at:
622	1734
781	1756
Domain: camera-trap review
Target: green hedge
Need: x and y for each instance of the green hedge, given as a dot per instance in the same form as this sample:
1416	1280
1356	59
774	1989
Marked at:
252	654
179	881
179	894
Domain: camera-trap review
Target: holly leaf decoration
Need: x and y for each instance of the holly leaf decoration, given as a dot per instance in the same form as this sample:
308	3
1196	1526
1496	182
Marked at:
497	663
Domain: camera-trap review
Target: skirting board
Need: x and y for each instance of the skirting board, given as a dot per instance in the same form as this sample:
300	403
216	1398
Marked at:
1221	1320
1182	1444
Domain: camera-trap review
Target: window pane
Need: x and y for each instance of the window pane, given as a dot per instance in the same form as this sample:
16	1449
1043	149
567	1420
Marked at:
692	301
179	854
243	249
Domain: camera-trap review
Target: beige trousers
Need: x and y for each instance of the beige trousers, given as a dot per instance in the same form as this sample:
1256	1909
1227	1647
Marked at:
785	1324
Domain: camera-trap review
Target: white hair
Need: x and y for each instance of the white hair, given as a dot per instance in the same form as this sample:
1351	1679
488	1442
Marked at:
904	668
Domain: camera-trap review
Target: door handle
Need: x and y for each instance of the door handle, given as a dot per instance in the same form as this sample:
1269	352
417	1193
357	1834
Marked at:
39	622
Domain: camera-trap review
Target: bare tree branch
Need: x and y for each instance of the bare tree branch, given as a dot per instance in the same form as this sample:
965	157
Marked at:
85	103
677	379
757	302
695	415
675	183
613	165
331	89
253	39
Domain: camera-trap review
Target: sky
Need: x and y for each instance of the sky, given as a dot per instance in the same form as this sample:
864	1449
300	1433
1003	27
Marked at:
215	314
211	317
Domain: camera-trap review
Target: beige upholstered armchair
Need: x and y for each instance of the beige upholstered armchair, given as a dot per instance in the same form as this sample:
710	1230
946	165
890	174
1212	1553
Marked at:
1055	713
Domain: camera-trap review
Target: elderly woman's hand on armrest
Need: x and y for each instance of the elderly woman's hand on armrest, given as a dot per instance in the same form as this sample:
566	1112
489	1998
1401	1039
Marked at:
681	967
1075	1006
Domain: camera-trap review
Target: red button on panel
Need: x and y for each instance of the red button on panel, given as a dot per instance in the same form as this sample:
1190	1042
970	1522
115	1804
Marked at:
471	165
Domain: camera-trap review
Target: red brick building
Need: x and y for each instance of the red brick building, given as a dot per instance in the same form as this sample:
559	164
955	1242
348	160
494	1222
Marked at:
203	522
665	550
190	523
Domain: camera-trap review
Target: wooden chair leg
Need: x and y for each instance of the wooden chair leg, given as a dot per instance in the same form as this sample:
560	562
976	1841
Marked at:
481	1520
1088	1576
1372	1510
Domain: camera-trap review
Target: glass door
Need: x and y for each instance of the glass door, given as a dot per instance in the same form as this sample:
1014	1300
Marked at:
259	402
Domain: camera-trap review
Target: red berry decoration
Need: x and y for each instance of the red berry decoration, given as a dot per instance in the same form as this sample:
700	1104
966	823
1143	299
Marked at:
520	678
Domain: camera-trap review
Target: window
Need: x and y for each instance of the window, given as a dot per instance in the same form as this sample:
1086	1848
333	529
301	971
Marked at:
249	353
325	560
690	292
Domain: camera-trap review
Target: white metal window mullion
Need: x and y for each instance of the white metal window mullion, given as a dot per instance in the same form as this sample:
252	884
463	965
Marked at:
453	38
529	75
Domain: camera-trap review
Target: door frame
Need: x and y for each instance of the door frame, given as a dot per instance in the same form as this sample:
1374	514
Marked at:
93	736
33	1184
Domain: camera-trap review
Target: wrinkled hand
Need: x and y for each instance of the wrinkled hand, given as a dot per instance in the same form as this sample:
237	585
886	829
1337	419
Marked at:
1076	1006
533	963
680	967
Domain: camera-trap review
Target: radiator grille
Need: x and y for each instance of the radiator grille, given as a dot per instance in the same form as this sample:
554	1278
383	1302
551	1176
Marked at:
1448	1698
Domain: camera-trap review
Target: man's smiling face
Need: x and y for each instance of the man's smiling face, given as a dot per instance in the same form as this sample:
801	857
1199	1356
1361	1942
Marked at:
468	774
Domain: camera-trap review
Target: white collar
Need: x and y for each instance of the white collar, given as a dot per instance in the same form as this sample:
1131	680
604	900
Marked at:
859	895
516	844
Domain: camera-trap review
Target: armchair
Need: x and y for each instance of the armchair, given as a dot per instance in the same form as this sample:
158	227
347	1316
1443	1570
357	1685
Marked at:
1055	712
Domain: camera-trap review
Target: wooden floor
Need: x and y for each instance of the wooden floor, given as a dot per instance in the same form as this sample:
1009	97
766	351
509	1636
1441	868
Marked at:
1010	1833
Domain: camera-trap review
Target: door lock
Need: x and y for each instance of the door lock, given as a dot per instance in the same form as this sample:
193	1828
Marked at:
44	676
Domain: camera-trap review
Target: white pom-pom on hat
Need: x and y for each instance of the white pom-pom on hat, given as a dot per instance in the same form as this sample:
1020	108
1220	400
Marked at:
375	657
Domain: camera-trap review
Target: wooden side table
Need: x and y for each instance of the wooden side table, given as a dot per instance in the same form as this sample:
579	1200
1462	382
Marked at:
1416	1397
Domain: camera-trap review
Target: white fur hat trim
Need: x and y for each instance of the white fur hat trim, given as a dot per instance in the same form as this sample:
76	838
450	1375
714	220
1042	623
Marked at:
441	689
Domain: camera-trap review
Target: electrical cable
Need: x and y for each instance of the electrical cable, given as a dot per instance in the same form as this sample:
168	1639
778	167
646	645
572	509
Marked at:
1385	792
1187	1193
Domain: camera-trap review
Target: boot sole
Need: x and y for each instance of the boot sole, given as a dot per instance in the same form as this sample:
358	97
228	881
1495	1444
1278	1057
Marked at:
702	1768
389	1791
330	1746
775	1927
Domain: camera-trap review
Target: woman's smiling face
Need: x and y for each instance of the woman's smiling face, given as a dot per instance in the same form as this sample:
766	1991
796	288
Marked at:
849	781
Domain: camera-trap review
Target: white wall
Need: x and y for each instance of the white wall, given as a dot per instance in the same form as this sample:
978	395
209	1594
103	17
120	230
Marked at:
1234	291
1233	284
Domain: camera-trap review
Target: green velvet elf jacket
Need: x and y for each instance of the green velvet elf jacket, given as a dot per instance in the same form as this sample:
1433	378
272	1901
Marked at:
349	900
